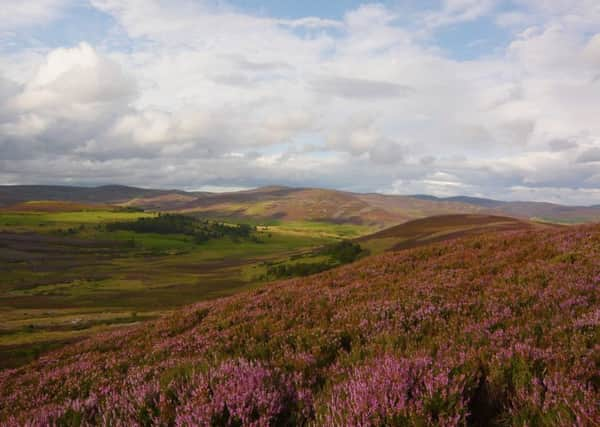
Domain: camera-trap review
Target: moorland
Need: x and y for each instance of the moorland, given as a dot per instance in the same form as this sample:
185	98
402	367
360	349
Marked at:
69	270
285	306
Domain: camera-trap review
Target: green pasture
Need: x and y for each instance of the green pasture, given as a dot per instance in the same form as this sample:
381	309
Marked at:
52	293
42	221
321	229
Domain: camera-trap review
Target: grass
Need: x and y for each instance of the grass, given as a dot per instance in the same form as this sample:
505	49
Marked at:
44	221
72	278
321	229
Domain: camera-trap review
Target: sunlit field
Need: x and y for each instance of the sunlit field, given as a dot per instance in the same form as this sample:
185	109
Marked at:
64	276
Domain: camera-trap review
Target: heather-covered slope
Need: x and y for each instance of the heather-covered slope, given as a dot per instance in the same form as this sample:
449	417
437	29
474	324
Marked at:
488	330
314	204
440	228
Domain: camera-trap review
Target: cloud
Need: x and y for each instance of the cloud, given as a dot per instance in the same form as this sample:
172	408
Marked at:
387	152
562	144
312	22
591	155
198	93
18	14
345	87
457	11
74	96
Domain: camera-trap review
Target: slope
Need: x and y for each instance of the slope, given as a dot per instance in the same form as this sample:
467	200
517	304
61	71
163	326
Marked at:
439	228
550	212
321	205
12	194
276	203
491	329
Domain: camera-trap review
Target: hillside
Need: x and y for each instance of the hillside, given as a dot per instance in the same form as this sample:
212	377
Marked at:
268	204
293	204
439	228
550	212
112	194
497	329
277	203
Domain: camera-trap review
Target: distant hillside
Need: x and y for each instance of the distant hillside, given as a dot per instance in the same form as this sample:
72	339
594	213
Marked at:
420	232
478	201
12	194
300	204
550	212
54	206
495	329
294	204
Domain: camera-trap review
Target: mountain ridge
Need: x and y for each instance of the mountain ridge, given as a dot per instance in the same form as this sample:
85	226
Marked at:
299	203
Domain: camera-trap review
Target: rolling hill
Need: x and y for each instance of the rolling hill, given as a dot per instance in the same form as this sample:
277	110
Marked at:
495	329
113	194
550	212
265	204
276	203
440	228
312	204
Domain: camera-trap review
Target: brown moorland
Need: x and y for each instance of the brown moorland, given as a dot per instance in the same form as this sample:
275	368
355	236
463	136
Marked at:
439	228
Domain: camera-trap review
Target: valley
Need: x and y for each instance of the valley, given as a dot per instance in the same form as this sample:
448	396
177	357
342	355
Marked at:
488	329
65	275
213	289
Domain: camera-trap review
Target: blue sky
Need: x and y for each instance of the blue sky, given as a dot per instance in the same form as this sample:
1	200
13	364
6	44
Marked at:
481	97
466	41
80	21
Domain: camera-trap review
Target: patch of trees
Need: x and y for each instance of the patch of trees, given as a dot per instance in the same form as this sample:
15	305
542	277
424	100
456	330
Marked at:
343	252
134	209
296	270
199	230
338	253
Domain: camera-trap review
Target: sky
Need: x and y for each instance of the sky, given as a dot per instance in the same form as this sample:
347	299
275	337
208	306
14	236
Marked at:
489	98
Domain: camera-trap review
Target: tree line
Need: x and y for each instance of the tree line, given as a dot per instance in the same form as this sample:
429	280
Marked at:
200	230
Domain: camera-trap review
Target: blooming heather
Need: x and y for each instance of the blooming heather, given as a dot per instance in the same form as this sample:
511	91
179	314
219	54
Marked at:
501	329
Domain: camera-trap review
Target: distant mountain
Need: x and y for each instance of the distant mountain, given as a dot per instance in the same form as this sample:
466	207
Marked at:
11	194
300	204
478	201
542	211
296	204
549	212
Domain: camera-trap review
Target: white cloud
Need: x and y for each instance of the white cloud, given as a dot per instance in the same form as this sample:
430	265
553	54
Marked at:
26	14
345	87
207	95
457	11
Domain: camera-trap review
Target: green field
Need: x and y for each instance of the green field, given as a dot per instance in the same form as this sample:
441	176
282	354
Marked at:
64	276
45	221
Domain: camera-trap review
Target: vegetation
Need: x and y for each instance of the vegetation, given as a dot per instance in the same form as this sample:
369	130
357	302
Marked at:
200	230
330	256
299	269
65	276
343	252
497	329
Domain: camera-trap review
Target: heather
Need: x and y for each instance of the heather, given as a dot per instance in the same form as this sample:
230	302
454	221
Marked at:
501	329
